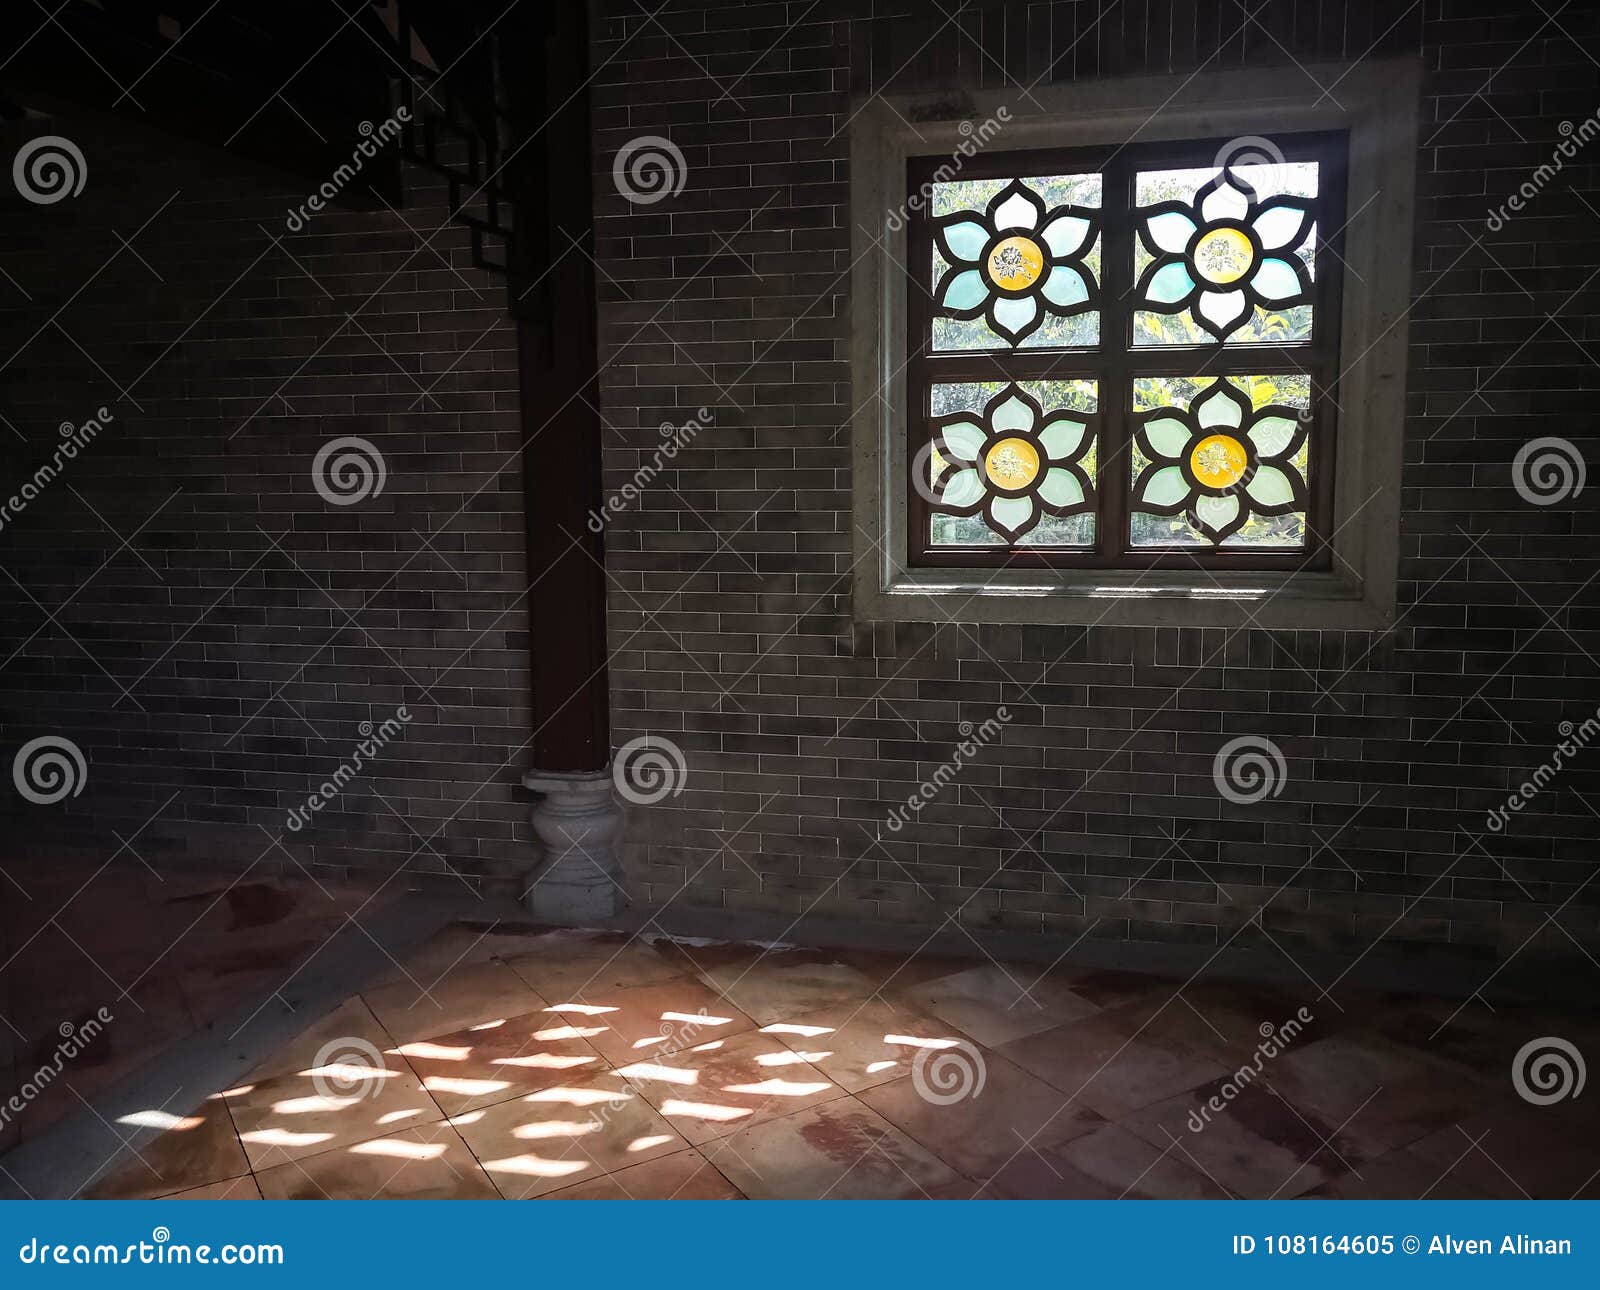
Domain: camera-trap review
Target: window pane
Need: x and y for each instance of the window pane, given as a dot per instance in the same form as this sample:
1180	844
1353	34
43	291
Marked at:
1016	263
1220	461
1224	254
1011	463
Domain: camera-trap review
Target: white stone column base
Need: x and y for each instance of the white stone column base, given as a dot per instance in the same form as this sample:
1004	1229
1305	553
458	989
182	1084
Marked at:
578	819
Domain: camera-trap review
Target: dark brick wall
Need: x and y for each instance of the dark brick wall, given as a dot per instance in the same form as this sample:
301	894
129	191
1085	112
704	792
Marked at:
1094	813
181	602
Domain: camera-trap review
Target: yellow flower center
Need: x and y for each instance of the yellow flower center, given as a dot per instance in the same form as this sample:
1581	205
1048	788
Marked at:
1011	463
1218	461
1224	255
1016	263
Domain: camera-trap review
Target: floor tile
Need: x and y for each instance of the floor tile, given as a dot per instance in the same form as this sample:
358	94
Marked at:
572	1133
244	1188
717	1088
684	1175
576	965
632	1023
463	997
858	1045
429	1162
994	1004
782	985
501	1059
980	1133
193	1150
839	1150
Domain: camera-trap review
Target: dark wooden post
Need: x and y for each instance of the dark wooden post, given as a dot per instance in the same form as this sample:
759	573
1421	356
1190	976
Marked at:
551	283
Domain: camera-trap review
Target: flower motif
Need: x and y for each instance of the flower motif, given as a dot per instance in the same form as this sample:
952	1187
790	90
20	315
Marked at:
1225	253
1016	262
1220	461
1013	462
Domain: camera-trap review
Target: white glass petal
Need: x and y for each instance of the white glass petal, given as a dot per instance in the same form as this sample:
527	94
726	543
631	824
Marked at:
1218	512
1170	230
1061	439
965	487
1012	513
1226	202
1166	487
1016	212
1013	415
1271	435
1225	310
1215	408
1061	488
1015	315
1277	225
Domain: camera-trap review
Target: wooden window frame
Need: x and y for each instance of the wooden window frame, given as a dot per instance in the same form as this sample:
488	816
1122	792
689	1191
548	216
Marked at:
1115	362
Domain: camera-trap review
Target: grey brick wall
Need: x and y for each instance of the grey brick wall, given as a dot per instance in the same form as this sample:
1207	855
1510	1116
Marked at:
181	602
1094	812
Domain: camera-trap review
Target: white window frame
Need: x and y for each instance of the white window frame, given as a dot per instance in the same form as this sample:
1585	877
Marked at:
1377	104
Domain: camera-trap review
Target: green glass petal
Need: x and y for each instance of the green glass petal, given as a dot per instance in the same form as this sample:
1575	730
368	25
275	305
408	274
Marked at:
1171	230
1215	408
965	488
1065	235
1270	487
964	291
1218	512
1271	435
966	240
1275	225
1167	435
1065	287
965	439
1011	513
1166	487
1171	282
1062	439
1061	488
1275	281
1013	414
1014	315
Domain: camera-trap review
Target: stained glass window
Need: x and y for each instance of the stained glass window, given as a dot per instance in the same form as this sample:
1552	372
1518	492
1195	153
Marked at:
1125	358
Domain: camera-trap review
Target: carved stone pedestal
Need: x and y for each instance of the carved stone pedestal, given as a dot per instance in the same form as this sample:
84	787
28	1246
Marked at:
579	879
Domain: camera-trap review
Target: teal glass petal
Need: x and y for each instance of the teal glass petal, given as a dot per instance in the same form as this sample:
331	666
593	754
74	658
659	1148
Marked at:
1215	408
1013	415
964	291
1270	487
965	488
964	439
1011	513
1171	230
966	240
1065	235
1061	488
1217	511
1275	281
1167	435
1166	487
1277	225
1065	287
1014	315
1062	439
1271	435
1170	283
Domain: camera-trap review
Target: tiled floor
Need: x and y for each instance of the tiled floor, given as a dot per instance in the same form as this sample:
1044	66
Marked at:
562	1065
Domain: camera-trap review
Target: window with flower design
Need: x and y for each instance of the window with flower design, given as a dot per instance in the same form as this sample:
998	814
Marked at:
1126	357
